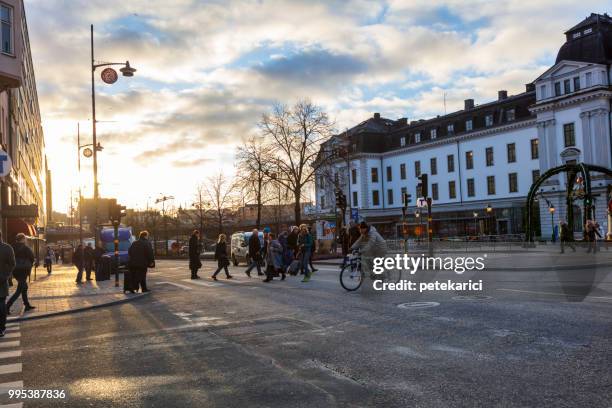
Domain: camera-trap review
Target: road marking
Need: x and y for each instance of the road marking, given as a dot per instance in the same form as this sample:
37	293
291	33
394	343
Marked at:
182	314
17	405
11	335
12	325
6	344
15	385
10	354
197	282
555	294
10	368
12	328
175	284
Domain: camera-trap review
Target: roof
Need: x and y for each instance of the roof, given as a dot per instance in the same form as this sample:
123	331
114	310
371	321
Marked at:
594	46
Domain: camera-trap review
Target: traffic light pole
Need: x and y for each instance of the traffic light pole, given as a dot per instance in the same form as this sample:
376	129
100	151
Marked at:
116	257
429	228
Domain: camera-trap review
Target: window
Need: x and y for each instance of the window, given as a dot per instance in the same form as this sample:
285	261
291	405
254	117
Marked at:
322	201
402	141
588	79
417	138
566	86
417	168
510	115
588	31
568	135
434	191
468	125
389	173
374	174
576	34
355	202
450	163
322	182
471	192
375	198
489	156
390	197
576	84
557	88
403	171
433	133
535	175
469	160
535	152
511	148
512	182
452	192
489	120
450	129
433	164
354	176
354	147
6	20
542	91
491	185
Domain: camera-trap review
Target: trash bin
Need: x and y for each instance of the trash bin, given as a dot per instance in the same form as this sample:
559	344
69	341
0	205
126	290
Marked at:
106	265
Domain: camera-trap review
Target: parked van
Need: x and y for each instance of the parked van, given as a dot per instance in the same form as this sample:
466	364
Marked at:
240	246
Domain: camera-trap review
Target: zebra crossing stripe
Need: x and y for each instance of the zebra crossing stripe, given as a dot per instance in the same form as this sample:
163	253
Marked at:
16	405
11	368
11	335
12	328
7	344
15	385
10	354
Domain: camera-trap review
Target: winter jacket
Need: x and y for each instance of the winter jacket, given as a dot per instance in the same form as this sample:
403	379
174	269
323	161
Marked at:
254	246
221	254
141	254
305	242
370	246
194	253
24	260
7	264
292	241
274	256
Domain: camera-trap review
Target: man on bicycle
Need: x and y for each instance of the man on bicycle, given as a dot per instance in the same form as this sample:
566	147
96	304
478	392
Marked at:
371	245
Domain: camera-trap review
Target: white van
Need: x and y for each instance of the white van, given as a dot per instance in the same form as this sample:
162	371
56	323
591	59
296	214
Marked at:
240	246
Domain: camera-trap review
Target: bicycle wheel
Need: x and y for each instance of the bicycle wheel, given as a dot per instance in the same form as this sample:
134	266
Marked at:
351	277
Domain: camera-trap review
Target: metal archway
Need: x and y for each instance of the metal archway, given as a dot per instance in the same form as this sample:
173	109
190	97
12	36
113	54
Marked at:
572	169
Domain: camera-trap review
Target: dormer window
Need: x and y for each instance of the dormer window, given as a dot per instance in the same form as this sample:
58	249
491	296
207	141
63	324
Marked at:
489	120
588	31
450	129
576	35
433	133
469	125
510	115
417	138
566	86
402	141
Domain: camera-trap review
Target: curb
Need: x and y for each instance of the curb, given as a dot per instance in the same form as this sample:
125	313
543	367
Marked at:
76	310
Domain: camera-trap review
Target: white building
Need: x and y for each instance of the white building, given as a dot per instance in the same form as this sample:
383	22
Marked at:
486	155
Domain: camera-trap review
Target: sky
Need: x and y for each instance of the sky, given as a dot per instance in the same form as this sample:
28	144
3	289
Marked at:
208	70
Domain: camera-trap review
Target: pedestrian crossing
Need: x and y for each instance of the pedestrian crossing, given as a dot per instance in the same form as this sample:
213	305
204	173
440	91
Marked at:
10	365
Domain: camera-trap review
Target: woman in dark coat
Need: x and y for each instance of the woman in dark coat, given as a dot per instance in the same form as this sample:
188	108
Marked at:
24	260
77	260
222	257
194	254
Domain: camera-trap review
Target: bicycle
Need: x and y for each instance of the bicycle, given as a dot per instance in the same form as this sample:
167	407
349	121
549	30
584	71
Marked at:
352	274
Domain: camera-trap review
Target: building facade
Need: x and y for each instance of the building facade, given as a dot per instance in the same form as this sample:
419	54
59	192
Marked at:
21	133
481	161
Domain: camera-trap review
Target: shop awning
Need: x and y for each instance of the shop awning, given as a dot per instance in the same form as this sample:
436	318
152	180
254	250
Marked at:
15	226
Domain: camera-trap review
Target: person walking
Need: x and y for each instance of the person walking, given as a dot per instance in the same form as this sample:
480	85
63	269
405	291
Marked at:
24	260
7	265
194	254
49	255
254	253
591	236
312	251
274	259
57	255
305	243
77	260
565	237
222	257
88	261
97	258
141	258
292	241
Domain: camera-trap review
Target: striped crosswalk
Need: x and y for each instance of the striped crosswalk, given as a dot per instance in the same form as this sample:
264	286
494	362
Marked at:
10	365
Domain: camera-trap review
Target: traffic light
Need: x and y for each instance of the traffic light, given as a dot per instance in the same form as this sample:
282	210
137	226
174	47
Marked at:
406	198
422	187
116	212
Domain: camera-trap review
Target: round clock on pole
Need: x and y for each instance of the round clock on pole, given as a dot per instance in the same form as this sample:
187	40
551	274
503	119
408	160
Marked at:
109	75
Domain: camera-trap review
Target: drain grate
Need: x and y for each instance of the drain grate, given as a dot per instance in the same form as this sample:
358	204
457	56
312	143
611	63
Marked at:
417	305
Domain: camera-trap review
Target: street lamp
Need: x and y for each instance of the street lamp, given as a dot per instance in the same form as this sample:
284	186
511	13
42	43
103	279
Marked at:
163	200
551	210
109	76
475	214
489	210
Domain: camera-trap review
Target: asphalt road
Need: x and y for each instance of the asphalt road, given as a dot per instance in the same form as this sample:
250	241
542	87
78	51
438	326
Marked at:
528	340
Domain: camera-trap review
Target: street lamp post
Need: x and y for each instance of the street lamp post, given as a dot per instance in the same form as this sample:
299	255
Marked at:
163	200
489	211
127	71
475	223
551	210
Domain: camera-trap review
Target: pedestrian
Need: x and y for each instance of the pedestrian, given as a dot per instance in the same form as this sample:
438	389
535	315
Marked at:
565	237
49	256
274	259
312	251
97	258
370	245
77	260
591	234
222	257
7	264
292	241
24	260
194	254
305	244
88	260
141	258
282	239
57	255
254	253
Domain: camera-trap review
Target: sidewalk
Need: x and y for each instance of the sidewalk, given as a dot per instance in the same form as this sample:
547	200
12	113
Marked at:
58	293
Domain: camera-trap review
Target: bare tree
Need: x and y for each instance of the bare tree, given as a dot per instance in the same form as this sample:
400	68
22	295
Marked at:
219	192
296	134
254	164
